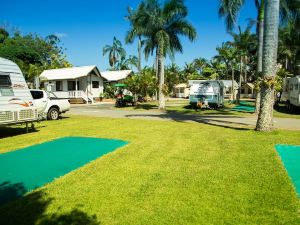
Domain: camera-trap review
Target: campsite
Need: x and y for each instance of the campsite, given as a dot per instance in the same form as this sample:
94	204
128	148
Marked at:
150	112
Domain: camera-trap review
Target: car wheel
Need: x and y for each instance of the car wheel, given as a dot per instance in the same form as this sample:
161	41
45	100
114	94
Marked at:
53	114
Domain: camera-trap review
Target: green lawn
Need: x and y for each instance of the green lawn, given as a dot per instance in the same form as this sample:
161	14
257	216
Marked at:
280	111
169	173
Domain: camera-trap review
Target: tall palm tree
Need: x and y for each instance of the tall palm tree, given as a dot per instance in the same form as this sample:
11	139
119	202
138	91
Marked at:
200	64
270	46
161	26
115	52
135	32
228	53
244	42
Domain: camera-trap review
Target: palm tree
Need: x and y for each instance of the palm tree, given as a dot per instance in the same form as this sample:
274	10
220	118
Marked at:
129	63
200	64
161	26
115	52
135	32
270	46
244	42
228	53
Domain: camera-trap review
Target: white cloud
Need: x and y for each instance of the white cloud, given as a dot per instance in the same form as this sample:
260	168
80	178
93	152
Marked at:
61	35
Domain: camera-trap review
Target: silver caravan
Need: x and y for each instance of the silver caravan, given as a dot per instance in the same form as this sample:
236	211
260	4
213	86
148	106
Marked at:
16	105
208	93
291	92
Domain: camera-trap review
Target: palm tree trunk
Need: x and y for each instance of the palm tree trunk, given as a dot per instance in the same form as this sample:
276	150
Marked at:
240	82
140	54
265	116
161	75
260	35
232	80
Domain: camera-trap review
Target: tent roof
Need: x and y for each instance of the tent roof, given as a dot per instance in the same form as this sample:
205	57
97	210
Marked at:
69	73
115	75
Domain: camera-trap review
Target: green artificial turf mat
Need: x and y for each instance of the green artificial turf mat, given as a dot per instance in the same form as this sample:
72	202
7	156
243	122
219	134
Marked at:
244	108
32	167
290	156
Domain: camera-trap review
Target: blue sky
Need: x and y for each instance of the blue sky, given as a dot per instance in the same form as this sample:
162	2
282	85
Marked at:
86	26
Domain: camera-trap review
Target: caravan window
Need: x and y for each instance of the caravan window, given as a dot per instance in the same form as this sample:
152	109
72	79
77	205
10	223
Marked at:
5	86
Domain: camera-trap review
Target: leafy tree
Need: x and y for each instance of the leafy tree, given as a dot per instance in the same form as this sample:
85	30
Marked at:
143	83
33	53
115	52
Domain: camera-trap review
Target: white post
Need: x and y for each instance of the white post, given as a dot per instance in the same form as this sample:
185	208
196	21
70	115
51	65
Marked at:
76	88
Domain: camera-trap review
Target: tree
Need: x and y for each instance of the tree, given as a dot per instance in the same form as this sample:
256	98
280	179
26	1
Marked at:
228	53
245	44
200	64
265	116
32	53
126	64
144	83
115	52
135	32
161	26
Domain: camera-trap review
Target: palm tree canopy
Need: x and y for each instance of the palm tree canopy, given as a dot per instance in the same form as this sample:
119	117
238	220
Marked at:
162	24
115	51
229	9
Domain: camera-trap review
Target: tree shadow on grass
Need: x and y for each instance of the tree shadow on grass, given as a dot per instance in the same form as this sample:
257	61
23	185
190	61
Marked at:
215	120
31	209
146	106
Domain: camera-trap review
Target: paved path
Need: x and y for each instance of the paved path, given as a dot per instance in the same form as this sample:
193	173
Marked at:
108	110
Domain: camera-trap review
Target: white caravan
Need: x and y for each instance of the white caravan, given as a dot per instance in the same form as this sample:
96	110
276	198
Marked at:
16	105
291	92
208	93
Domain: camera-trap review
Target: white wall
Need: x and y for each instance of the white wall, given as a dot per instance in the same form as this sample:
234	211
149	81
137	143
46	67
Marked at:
85	83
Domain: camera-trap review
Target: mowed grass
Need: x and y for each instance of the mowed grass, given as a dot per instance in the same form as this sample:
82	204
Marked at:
183	106
169	173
